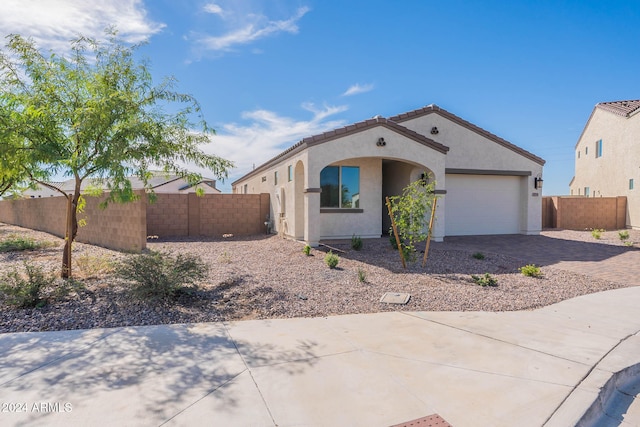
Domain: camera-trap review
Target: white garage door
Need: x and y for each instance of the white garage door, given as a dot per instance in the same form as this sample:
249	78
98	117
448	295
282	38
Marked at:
482	204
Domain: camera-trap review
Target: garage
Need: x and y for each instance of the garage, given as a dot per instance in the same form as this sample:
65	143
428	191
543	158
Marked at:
482	204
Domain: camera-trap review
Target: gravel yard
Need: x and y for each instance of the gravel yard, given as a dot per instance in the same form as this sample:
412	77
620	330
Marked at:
270	277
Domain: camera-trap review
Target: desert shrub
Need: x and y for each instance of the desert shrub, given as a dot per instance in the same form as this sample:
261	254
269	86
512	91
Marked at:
356	242
160	275
331	259
530	270
628	243
14	243
478	255
597	233
26	290
623	235
362	276
485	280
94	266
393	242
306	250
225	258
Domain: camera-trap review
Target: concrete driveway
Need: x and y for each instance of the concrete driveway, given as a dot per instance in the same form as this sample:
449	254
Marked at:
578	359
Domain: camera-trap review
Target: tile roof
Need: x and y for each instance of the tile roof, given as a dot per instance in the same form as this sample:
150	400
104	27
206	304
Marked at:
621	108
432	108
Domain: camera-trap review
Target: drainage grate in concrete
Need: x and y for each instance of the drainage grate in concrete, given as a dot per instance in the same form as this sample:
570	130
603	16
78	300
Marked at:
431	421
395	298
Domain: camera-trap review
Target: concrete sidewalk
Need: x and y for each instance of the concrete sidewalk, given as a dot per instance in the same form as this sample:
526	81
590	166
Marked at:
530	368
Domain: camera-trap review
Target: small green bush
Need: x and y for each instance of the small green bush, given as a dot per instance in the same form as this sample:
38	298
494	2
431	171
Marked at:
624	235
14	243
306	250
478	255
393	242
159	275
531	270
597	233
331	260
362	276
628	243
29	291
486	280
356	242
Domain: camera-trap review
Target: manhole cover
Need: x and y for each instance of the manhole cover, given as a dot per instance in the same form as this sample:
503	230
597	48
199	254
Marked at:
395	298
431	421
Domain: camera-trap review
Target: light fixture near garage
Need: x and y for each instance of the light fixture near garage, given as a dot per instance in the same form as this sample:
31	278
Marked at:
537	182
381	142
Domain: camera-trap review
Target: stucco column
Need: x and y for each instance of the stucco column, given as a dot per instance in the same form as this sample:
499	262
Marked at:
437	234
312	220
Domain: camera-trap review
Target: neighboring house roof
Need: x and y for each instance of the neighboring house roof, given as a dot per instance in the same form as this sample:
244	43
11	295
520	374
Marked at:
157	180
431	109
621	108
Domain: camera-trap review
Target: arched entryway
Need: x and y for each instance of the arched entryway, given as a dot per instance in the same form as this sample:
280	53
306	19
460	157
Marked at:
396	175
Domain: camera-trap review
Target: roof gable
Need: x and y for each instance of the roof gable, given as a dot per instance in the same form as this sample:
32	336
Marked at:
343	132
434	109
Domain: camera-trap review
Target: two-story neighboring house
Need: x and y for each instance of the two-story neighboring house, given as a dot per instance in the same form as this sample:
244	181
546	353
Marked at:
607	156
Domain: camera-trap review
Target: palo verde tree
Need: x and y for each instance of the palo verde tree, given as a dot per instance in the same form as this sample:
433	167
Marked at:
411	215
94	114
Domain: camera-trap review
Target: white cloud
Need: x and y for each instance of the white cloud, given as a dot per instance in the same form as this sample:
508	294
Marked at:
213	8
249	28
52	23
358	88
266	135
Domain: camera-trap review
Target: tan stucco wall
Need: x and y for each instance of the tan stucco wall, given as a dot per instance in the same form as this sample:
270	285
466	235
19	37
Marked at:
363	144
354	150
609	175
470	150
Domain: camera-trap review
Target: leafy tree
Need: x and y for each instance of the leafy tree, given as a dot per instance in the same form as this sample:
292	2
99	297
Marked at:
411	212
94	114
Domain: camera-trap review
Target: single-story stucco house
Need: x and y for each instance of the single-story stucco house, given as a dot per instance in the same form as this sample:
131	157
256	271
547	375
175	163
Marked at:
333	185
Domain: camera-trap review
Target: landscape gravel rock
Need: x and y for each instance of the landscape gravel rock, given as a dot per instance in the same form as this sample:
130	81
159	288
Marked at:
263	277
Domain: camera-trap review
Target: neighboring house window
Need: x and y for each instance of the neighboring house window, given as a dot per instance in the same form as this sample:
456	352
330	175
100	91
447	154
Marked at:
578	153
631	184
599	148
340	187
290	171
246	188
586	191
586	150
275	178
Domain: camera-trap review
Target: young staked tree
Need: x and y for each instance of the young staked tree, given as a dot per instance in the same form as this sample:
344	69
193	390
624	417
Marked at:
94	114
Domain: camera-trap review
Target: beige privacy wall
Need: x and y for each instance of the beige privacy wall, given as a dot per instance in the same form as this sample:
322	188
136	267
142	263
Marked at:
580	213
181	215
119	226
126	226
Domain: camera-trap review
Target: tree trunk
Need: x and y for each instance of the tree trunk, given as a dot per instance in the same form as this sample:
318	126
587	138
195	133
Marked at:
72	230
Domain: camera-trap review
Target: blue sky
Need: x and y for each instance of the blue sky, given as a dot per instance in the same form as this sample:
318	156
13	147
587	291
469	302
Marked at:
269	73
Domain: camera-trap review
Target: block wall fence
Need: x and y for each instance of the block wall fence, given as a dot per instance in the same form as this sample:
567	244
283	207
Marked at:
580	213
126	226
